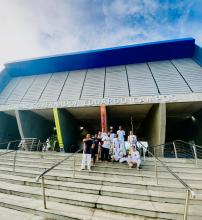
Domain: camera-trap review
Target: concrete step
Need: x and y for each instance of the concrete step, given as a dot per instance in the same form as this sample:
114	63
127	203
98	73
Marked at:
110	168
64	211
146	194
109	187
129	206
135	176
100	165
7	214
137	184
58	156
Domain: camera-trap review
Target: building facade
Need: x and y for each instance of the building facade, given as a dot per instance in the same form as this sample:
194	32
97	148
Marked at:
154	88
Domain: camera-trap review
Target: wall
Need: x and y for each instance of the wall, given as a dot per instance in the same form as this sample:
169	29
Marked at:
68	129
32	125
8	128
4	79
198	55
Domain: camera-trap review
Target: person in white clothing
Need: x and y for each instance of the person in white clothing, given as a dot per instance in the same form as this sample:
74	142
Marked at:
87	151
121	135
116	149
134	158
132	140
105	147
111	136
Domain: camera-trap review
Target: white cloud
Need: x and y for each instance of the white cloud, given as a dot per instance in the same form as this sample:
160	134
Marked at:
44	27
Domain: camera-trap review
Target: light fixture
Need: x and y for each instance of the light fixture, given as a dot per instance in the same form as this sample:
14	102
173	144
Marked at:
81	128
193	118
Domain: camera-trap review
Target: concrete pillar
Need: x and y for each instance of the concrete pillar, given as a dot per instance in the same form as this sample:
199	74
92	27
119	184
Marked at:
155	127
32	125
8	128
67	129
103	114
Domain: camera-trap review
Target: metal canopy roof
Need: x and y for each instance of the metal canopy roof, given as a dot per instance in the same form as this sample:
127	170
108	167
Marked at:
138	53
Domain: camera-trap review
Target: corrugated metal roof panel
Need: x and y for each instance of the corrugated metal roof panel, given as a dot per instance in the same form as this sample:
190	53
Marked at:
191	71
73	85
168	79
94	84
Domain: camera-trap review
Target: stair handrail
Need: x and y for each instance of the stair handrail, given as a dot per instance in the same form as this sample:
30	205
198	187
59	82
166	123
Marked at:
11	151
185	142
41	176
194	146
189	190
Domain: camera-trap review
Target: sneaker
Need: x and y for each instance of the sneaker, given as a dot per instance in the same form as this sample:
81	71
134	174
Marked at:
89	170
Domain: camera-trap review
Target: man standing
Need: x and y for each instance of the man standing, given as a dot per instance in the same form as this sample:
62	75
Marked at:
97	143
132	139
112	135
116	149
105	147
87	151
121	134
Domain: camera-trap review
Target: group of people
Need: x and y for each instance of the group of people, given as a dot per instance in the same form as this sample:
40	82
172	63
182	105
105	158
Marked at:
110	146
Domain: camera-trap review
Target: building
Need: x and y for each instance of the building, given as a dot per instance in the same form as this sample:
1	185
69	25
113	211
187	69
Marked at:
157	86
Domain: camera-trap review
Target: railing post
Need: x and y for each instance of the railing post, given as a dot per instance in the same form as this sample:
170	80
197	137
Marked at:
14	162
38	145
144	154
43	189
8	146
175	149
195	155
186	205
156	171
74	166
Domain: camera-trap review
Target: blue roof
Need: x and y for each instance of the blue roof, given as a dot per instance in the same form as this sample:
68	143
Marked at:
138	53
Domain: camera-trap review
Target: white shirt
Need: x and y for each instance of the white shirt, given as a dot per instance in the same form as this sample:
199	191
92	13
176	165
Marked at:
121	134
135	156
116	142
111	136
107	142
132	139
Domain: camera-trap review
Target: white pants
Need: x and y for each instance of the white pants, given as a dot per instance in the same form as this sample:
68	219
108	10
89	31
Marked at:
122	147
86	159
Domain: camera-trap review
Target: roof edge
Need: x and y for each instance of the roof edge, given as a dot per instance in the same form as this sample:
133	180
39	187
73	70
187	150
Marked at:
137	53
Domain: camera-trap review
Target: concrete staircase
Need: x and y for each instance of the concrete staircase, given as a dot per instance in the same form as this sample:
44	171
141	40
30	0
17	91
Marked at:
111	191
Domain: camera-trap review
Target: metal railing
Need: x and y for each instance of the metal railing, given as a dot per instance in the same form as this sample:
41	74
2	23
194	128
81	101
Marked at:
42	175
195	150
189	191
14	159
180	149
15	145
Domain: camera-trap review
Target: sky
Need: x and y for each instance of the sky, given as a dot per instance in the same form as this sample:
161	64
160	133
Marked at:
35	28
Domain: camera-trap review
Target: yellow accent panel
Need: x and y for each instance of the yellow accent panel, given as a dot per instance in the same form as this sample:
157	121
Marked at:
57	124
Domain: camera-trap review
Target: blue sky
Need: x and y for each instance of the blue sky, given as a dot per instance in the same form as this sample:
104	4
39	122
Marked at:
33	28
